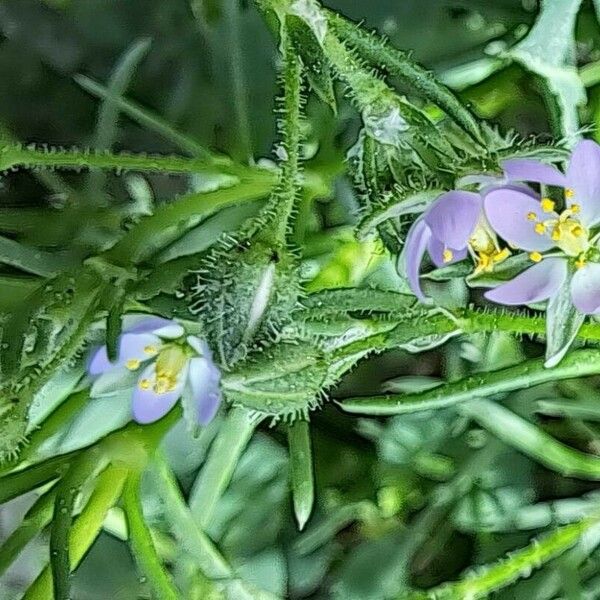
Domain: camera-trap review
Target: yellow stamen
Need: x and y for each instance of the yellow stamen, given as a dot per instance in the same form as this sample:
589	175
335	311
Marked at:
577	230
556	234
531	216
447	255
575	208
540	228
580	262
535	256
150	349
132	364
547	205
569	193
144	384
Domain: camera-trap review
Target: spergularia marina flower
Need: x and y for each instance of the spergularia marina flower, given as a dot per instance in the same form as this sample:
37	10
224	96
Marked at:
169	364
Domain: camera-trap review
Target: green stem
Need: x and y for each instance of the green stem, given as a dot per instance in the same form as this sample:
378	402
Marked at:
185	527
142	544
223	456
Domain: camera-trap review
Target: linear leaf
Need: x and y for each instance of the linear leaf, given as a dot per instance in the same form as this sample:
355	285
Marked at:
527	374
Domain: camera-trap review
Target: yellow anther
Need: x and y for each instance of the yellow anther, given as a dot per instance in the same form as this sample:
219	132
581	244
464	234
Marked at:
547	205
556	234
569	193
447	255
150	349
577	230
163	384
580	262
144	384
502	255
540	228
531	216
535	256
132	364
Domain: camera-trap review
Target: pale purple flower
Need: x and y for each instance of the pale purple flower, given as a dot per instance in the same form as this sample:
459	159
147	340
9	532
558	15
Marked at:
169	365
532	224
447	230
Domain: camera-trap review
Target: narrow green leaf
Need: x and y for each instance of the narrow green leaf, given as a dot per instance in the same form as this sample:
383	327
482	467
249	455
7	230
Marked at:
36	519
144	117
317	67
17	483
86	528
172	220
488	579
531	440
301	467
223	456
185	527
114	322
527	374
108	114
32	260
381	54
142	545
67	491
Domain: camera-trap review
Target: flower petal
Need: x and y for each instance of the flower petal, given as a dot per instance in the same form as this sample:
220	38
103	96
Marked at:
583	177
416	242
200	346
132	346
165	328
508	210
436	251
585	289
453	216
528	169
204	379
149	406
535	284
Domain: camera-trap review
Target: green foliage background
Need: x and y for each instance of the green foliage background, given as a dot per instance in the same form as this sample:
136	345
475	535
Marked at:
487	482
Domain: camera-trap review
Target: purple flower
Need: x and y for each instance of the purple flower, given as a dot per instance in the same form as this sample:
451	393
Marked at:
533	224
451	227
169	365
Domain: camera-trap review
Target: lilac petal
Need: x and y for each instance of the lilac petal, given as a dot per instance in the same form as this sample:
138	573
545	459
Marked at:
436	251
204	380
416	242
165	328
132	346
453	216
535	284
200	346
528	169
583	177
507	211
585	289
149	406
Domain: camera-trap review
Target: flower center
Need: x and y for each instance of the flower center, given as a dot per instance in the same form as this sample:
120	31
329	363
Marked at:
484	246
567	231
169	365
